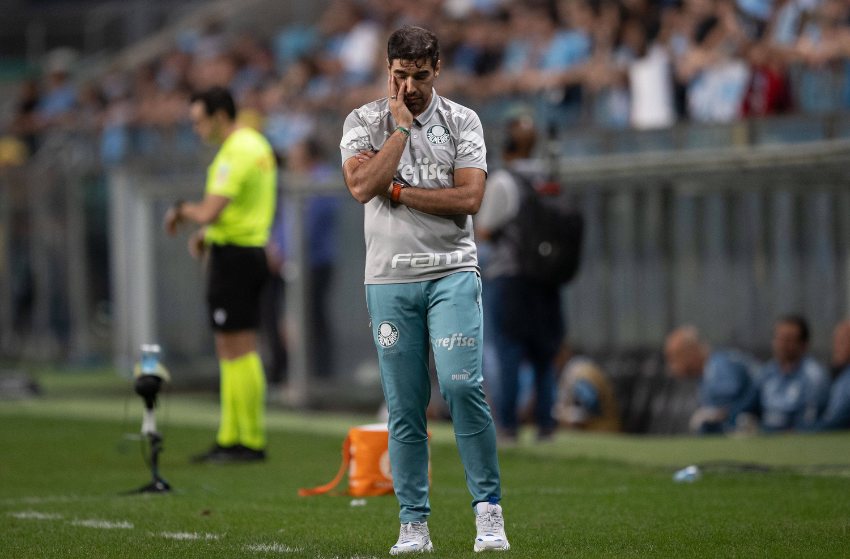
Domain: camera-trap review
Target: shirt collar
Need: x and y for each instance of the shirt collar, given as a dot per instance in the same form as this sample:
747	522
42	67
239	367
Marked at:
429	111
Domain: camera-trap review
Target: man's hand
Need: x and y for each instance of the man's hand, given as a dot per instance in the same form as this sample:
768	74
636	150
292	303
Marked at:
401	114
202	213
364	156
197	246
173	219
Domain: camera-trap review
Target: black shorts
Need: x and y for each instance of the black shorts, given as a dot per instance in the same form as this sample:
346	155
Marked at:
235	279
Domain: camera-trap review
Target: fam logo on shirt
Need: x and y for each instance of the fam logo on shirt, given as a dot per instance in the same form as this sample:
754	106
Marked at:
438	134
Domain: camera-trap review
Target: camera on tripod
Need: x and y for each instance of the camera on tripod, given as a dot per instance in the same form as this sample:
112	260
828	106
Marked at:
150	375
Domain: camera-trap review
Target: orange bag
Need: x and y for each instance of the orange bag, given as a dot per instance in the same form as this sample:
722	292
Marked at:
366	451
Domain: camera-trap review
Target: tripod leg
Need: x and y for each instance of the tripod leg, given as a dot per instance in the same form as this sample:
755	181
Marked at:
157	484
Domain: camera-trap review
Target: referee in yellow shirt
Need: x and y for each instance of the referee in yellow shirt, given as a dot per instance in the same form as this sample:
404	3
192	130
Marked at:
235	216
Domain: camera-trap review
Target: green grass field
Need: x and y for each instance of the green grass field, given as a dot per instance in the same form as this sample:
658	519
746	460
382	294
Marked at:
67	459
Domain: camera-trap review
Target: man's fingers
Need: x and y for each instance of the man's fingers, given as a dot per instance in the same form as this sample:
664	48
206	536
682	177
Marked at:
364	156
196	245
170	223
391	87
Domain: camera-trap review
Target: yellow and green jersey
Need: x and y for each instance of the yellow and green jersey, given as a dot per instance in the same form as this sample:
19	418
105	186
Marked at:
243	171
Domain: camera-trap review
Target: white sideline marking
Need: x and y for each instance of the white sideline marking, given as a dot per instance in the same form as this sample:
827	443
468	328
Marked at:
271	548
49	499
35	515
188	536
103	524
549	491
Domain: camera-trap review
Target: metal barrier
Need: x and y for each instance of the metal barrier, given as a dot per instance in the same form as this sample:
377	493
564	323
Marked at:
725	239
47	292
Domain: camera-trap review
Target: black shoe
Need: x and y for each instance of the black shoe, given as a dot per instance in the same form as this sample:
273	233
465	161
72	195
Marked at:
546	434
217	453
228	454
245	454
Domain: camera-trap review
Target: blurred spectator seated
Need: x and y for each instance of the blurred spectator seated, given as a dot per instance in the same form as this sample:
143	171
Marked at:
794	387
649	400
837	414
727	381
585	398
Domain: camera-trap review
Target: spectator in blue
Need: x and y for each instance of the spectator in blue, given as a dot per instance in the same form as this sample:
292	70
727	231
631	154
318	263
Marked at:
305	159
794	387
728	380
272	327
837	414
60	96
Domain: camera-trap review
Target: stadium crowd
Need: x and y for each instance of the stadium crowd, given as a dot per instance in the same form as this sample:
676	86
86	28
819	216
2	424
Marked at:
605	63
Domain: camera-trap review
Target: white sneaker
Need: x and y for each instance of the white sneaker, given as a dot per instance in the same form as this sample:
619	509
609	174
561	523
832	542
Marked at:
413	537
490	527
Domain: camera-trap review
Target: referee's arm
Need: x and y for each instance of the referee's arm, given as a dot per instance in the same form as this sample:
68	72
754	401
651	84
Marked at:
203	213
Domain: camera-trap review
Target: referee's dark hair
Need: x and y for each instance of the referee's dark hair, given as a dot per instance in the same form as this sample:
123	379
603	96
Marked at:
413	43
216	99
800	322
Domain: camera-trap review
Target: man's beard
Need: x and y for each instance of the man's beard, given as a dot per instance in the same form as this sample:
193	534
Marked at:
415	105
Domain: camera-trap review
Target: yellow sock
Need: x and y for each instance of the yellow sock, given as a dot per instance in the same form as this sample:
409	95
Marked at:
244	422
228	428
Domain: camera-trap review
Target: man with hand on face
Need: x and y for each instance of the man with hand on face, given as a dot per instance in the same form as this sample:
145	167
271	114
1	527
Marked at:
417	162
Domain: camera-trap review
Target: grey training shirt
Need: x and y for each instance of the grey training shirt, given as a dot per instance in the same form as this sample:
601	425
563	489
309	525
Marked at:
402	244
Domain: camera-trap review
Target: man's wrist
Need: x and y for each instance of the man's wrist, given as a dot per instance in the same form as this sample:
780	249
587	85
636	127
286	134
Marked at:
395	191
405	130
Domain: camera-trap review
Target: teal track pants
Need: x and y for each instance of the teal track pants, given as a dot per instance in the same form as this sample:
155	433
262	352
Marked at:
446	315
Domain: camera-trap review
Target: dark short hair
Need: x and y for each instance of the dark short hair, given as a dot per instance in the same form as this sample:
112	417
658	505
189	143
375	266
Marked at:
519	139
800	322
413	43
215	99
